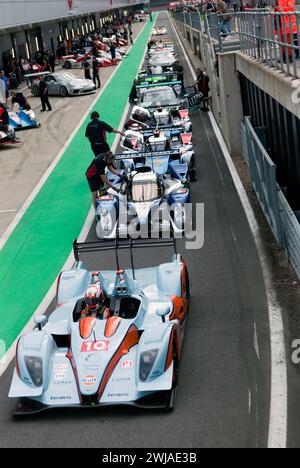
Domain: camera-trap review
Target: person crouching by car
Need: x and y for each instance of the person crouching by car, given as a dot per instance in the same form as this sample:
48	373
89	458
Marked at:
96	175
96	133
134	93
20	99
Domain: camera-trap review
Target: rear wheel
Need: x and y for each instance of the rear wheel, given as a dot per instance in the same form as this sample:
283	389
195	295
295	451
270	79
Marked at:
36	91
68	65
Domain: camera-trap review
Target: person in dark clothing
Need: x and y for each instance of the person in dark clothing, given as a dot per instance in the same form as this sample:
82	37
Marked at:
43	89
20	99
87	70
96	133
112	48
203	87
133	93
179	70
96	72
96	174
51	60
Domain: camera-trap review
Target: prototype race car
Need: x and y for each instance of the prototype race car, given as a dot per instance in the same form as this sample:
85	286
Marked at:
156	75
160	31
173	116
130	358
168	95
23	120
172	140
148	202
163	58
62	84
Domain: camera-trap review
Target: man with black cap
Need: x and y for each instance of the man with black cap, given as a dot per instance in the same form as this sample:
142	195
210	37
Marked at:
96	174
96	132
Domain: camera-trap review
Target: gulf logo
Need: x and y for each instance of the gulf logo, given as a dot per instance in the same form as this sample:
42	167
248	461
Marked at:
89	380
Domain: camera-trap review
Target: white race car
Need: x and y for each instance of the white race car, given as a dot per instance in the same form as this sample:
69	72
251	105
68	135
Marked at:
160	31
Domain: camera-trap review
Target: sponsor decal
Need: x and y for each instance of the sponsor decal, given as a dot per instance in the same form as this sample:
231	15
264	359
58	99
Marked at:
127	364
62	382
95	346
89	380
60	398
60	371
117	395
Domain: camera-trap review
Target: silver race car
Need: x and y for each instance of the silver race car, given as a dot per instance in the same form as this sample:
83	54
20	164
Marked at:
62	84
130	358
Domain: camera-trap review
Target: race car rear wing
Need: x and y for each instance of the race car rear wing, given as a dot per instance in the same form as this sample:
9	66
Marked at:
146	154
159	85
122	244
37	75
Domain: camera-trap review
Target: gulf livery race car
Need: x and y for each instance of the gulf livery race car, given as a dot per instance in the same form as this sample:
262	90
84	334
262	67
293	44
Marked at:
160	117
130	358
160	31
23	120
147	202
173	140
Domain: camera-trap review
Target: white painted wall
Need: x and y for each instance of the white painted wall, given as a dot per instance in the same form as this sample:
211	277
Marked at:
19	12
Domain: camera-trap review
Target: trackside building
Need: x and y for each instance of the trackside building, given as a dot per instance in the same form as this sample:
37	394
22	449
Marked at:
27	26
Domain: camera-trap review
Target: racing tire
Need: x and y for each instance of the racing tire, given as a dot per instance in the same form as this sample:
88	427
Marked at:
68	65
36	91
63	91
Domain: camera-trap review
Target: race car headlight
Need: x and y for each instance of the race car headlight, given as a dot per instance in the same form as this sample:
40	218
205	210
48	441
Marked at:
34	367
147	361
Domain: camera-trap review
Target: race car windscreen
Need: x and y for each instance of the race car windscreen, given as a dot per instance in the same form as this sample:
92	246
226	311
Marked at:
144	191
165	96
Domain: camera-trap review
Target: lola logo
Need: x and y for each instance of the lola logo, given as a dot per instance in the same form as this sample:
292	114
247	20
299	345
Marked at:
89	380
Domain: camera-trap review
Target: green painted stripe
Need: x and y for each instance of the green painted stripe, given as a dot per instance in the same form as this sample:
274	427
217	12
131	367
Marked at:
37	249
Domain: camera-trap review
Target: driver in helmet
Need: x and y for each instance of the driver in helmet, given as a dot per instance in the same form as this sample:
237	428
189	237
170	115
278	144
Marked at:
94	300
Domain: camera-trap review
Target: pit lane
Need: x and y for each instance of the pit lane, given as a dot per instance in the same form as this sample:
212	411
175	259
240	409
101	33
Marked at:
224	386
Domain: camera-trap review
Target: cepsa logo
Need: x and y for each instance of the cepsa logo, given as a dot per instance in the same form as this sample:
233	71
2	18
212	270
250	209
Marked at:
95	346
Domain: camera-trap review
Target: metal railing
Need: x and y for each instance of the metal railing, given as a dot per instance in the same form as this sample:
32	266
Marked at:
279	214
272	38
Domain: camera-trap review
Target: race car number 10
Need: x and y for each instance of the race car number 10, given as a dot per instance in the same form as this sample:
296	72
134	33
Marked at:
95	346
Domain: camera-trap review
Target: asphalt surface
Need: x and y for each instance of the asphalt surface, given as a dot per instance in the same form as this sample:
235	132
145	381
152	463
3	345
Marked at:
224	386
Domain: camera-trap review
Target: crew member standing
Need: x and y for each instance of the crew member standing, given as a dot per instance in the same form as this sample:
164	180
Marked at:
96	72
44	95
179	70
87	70
96	132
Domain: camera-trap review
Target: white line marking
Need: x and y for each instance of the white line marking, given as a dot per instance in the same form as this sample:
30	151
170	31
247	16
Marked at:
68	108
8	211
44	305
279	391
256	344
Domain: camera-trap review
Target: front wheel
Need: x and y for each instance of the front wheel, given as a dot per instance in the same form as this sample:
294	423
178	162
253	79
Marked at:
63	91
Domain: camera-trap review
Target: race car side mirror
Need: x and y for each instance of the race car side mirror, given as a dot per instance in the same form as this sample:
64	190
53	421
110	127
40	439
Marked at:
163	311
40	321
